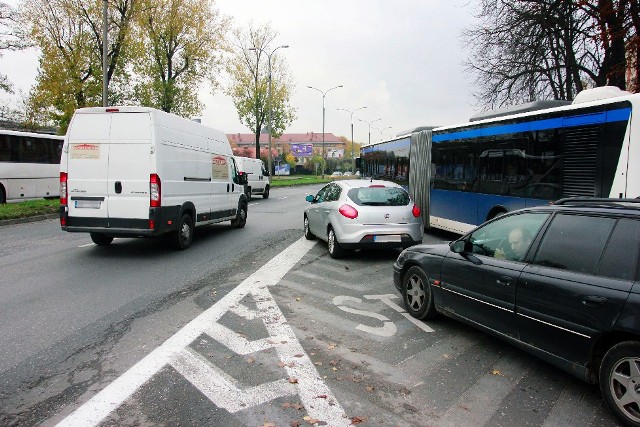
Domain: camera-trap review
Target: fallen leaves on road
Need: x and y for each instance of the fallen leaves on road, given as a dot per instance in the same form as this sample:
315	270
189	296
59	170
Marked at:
410	408
312	421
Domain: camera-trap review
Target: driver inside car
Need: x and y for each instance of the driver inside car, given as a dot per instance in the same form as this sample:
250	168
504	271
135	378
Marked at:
519	241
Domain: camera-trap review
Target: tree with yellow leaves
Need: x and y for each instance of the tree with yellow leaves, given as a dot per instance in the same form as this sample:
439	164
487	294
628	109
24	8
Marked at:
181	42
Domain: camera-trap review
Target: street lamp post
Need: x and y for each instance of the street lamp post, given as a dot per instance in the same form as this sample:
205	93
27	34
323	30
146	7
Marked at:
270	156
324	93
369	123
105	51
353	159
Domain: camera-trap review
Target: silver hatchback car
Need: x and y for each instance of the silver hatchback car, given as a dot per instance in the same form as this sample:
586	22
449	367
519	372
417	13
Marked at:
363	214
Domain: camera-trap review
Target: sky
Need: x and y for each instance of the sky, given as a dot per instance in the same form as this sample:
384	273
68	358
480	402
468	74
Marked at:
402	59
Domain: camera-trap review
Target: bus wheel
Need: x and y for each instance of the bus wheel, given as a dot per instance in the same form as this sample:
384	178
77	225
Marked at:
495	213
3	195
184	235
101	239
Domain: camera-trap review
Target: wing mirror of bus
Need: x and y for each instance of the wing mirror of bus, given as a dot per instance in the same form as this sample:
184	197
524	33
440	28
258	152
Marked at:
310	198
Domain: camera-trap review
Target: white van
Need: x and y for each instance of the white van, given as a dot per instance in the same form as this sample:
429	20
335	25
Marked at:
136	171
257	176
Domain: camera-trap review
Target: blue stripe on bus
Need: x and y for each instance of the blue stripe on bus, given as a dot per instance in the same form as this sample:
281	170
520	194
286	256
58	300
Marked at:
618	115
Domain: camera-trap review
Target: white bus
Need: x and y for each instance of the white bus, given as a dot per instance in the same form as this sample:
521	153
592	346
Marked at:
29	165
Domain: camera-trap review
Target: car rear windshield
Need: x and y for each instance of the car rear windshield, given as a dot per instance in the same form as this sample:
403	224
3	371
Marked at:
379	196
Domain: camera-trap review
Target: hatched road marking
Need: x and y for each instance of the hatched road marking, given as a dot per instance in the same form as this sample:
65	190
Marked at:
209	379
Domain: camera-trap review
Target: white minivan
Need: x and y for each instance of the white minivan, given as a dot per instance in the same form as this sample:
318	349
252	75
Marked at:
137	171
257	176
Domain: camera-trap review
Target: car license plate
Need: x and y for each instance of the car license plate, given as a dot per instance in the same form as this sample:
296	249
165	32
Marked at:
387	238
87	204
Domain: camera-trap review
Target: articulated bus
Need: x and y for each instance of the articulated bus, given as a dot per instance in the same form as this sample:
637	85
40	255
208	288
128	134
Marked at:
29	165
464	175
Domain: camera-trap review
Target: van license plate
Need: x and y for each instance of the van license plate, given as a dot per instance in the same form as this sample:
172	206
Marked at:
387	238
88	204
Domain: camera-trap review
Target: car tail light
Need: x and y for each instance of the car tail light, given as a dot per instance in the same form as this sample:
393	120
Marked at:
376	186
154	191
415	211
63	188
348	211
113	110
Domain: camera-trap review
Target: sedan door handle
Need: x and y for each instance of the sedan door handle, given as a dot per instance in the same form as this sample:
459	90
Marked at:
594	301
504	281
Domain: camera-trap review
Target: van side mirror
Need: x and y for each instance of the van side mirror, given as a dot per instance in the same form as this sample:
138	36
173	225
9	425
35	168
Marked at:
310	198
458	246
242	178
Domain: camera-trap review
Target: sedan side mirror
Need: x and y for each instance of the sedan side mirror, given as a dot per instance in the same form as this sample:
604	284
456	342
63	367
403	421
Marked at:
310	198
458	246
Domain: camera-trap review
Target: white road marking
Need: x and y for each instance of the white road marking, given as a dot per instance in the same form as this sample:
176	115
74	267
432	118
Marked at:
387	330
209	379
386	298
87	245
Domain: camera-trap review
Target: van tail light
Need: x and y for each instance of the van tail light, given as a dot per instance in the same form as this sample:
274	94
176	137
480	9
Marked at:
63	188
348	211
154	191
415	211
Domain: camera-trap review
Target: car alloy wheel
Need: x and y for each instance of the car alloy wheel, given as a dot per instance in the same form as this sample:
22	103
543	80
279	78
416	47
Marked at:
418	299
307	233
334	247
620	381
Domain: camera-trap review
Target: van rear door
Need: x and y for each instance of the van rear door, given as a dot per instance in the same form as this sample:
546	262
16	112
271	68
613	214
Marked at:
87	166
109	166
129	167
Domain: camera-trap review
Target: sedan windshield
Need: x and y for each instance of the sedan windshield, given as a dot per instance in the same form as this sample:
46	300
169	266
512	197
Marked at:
379	196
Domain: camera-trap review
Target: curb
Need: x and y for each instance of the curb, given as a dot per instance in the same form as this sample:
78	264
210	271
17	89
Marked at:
35	218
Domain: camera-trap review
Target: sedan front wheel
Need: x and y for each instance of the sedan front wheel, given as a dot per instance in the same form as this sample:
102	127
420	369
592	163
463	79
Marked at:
417	295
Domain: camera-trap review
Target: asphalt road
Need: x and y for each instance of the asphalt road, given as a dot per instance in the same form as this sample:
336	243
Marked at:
251	327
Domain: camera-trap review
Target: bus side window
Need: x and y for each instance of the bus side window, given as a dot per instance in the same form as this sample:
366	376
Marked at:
5	148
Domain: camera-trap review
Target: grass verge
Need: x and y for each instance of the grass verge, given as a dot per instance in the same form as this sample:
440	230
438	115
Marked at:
287	181
29	208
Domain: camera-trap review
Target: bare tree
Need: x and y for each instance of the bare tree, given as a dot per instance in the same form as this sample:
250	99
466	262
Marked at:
525	50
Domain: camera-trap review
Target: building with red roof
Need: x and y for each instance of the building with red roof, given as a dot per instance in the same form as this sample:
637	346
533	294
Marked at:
332	144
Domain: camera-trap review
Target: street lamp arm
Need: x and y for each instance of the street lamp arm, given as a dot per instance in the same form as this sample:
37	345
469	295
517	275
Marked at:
324	93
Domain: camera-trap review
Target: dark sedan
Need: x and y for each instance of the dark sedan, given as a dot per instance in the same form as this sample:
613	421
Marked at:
559	281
